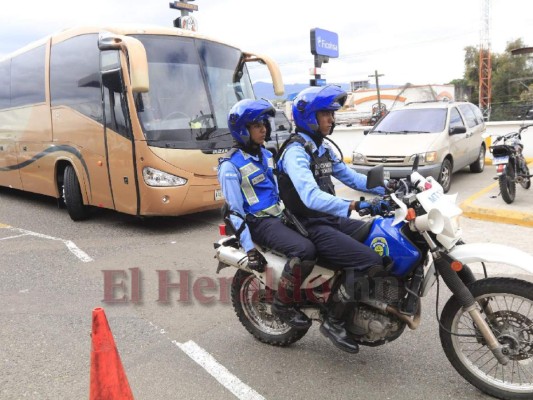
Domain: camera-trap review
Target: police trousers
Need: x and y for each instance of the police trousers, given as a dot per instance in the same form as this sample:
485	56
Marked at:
335	246
271	232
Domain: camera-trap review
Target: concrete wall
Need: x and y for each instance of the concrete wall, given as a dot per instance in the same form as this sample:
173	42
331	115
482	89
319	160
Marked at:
347	138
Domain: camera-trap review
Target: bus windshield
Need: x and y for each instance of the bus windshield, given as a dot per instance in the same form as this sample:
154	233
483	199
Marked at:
192	89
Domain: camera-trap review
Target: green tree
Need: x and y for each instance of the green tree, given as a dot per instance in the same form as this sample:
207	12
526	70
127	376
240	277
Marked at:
509	73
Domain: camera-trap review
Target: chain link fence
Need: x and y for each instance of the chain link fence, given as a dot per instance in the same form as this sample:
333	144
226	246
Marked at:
511	111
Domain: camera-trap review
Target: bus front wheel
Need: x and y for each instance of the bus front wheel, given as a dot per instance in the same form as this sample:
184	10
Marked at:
72	196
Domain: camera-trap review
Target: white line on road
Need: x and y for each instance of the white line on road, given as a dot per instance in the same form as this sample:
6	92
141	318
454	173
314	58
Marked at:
219	372
77	251
14	237
80	254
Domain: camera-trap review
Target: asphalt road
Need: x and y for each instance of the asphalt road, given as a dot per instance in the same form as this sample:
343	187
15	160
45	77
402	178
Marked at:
53	273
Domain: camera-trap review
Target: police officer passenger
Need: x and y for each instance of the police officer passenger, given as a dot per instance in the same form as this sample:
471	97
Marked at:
306	166
251	192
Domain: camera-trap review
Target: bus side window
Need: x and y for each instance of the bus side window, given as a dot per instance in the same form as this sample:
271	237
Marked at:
115	103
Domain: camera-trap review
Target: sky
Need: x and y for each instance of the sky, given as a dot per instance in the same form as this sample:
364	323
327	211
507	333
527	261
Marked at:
415	41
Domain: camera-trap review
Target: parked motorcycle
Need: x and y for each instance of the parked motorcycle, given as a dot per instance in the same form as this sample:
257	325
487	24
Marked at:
511	167
486	327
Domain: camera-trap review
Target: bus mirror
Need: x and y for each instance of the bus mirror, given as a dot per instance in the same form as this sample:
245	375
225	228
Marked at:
138	63
273	68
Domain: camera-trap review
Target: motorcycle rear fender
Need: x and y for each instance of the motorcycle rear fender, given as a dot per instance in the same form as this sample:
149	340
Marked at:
493	253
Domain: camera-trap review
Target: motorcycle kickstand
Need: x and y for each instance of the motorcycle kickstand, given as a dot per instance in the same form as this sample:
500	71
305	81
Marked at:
492	342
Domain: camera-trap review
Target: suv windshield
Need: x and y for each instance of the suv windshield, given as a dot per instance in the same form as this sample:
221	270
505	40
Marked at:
426	120
192	88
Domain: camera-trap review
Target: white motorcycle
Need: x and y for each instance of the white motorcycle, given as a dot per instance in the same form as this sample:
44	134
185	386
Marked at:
486	327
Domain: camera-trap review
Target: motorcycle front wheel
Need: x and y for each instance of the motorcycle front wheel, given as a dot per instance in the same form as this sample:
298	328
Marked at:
508	309
507	184
252	303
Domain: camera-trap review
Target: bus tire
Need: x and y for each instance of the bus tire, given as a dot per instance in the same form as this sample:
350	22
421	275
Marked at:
72	196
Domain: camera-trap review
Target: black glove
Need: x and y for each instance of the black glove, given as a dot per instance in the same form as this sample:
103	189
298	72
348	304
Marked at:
376	207
392	185
256	260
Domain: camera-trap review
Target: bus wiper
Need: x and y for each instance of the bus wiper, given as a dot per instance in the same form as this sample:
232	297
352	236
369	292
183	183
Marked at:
378	131
206	134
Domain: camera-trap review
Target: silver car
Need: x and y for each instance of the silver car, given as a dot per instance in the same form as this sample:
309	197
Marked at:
447	137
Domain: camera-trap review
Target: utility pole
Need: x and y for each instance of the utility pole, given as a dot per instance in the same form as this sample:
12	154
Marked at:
376	75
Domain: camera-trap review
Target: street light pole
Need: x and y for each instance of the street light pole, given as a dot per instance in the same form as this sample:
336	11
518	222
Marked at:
376	75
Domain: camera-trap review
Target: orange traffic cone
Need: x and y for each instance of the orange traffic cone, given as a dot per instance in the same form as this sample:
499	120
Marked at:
108	379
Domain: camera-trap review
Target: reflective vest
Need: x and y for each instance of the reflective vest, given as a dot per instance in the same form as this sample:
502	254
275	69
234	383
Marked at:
322	169
257	183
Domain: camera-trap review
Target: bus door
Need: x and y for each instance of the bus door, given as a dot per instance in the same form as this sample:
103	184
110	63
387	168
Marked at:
120	146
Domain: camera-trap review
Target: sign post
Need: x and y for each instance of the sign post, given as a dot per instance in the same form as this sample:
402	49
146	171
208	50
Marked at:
186	21
324	44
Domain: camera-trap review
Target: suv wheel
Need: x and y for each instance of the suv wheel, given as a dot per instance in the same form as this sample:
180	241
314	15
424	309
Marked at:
445	176
478	165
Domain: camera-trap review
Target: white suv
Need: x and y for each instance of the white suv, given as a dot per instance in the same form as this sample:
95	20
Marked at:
446	136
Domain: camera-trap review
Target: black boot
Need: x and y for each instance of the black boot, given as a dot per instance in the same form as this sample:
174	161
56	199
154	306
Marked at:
283	304
333	327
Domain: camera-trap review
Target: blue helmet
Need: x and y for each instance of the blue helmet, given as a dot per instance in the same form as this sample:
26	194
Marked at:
313	99
245	112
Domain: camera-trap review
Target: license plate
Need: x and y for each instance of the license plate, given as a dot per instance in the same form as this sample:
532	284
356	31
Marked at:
386	174
218	194
500	160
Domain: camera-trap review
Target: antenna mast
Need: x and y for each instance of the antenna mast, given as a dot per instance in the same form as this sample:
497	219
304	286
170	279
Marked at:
485	67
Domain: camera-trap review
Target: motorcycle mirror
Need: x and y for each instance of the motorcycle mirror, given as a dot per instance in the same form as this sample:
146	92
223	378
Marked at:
374	177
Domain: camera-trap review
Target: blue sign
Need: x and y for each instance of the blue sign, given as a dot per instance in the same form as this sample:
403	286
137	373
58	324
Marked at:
318	82
324	43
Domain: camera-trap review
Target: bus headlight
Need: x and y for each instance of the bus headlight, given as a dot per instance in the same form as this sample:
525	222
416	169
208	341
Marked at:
154	177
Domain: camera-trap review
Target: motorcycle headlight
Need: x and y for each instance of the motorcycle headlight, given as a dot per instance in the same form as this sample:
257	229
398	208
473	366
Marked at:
428	158
358	158
155	177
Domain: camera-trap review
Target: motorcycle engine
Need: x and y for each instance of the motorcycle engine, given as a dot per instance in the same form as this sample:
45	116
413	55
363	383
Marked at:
373	327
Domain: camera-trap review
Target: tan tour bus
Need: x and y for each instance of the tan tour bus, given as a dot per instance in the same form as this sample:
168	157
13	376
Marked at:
129	119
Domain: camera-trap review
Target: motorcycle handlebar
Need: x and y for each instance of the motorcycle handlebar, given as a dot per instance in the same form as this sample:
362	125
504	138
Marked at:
523	128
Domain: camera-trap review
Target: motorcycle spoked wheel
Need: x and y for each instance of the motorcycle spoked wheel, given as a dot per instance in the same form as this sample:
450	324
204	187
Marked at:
507	184
252	306
509	306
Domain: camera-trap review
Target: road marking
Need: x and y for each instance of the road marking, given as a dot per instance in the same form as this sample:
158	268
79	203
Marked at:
494	214
218	371
14	237
80	254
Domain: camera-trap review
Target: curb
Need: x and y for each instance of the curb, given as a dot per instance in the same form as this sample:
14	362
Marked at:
494	214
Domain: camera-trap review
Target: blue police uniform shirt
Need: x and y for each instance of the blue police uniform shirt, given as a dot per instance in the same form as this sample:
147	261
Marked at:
296	163
261	181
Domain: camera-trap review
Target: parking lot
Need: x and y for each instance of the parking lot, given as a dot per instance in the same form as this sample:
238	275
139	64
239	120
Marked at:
53	273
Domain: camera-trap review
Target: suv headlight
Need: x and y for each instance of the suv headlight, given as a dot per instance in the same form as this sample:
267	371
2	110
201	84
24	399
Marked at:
155	177
358	158
428	158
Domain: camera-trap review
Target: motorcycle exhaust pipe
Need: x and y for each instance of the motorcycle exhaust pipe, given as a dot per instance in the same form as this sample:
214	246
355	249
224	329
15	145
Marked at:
237	258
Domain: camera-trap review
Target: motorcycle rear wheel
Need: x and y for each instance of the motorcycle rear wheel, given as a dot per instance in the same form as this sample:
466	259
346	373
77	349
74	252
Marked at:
252	304
510	302
507	184
526	183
